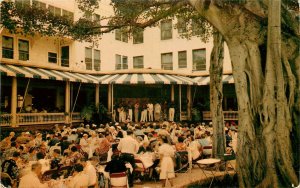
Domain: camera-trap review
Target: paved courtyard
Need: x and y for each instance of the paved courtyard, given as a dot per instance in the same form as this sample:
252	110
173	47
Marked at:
186	179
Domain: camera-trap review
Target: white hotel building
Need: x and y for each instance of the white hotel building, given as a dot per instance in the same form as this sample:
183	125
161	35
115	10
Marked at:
58	76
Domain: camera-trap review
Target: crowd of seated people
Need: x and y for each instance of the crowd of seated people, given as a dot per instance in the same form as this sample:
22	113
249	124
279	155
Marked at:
42	155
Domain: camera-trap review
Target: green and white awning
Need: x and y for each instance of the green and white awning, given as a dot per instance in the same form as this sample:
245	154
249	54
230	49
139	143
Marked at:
205	80
146	78
124	78
32	72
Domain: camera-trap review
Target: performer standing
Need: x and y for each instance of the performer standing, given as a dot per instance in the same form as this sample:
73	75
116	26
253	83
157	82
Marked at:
136	111
157	110
150	111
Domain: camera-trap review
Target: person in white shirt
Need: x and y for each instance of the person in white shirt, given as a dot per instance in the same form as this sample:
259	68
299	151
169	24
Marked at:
79	179
93	143
31	179
150	111
144	113
90	171
44	162
171	112
129	147
84	143
157	110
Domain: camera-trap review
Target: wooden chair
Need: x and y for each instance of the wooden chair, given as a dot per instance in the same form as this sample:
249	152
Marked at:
141	171
118	180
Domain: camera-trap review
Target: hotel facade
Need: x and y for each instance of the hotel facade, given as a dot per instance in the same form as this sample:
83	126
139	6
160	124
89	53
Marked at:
46	80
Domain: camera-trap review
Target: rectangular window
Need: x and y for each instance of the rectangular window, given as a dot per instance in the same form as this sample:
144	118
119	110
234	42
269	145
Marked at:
52	57
23	3
121	35
125	62
196	28
167	61
182	63
138	36
88	16
118	62
7	47
124	36
166	29
118	34
69	15
181	25
23	50
96	18
138	62
65	56
54	10
38	4
88	58
97	61
199	59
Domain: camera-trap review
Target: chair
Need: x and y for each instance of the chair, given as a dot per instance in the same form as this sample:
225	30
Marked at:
118	180
101	180
141	171
207	151
7	181
225	161
182	161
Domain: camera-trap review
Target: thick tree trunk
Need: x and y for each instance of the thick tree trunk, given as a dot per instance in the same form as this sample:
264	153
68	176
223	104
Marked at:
216	95
250	148
267	90
276	120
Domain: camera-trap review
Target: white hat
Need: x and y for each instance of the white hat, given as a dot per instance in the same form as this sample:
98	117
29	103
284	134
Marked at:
101	130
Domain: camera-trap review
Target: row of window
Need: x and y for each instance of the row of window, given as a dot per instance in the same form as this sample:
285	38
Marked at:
198	58
137	36
8	48
54	10
23	49
166	31
93	60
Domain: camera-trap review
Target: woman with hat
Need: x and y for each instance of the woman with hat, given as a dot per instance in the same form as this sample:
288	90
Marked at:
166	153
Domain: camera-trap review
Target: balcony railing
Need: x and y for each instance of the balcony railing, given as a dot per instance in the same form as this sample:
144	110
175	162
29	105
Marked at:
76	117
37	118
5	119
228	115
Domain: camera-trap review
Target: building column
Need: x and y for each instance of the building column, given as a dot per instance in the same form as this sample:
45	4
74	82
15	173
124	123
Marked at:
109	99
97	94
112	98
179	96
189	104
67	102
172	93
13	112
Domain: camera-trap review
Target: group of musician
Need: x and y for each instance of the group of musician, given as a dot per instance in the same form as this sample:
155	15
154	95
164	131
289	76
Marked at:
143	112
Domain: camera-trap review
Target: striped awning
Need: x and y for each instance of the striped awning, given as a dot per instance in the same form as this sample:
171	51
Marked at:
32	72
147	78
205	80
